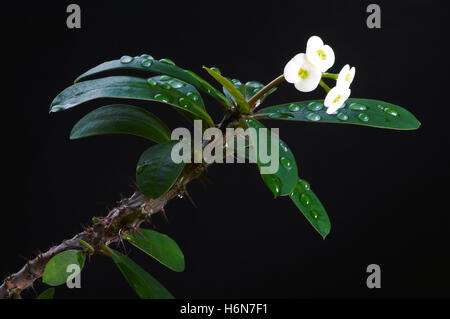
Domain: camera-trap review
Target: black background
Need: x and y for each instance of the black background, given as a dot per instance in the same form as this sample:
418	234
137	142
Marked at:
385	191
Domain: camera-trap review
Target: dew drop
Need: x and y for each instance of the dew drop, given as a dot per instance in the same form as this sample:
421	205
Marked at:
305	199
274	183
184	102
342	116
314	214
162	98
294	107
176	84
164	78
216	70
140	169
126	59
313	117
391	111
280	115
166	86
236	82
152	82
147	63
147	56
357	107
303	185
315	106
254	84
363	117
167	61
58	108
180	196
286	162
283	146
193	96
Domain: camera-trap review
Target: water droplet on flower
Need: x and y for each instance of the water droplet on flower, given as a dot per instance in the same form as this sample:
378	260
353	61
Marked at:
162	98
147	63
303	185
314	214
215	69
140	169
176	84
167	61
305	199
286	162
126	59
342	116
315	106
274	183
152	82
294	107
391	111
357	107
363	117
313	117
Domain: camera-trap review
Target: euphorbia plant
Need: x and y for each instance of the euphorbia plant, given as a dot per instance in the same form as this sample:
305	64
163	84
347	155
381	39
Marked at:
160	178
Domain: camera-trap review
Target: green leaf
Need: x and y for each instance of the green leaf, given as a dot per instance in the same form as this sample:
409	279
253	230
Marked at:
47	294
237	95
248	90
121	119
126	87
284	180
55	272
146	63
141	281
356	111
159	246
311	207
156	172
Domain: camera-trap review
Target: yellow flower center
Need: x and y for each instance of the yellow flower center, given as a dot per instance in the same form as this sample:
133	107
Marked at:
302	73
321	54
337	99
348	77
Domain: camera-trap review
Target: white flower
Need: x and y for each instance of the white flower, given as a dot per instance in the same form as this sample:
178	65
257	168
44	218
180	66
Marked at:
346	76
335	98
303	74
319	54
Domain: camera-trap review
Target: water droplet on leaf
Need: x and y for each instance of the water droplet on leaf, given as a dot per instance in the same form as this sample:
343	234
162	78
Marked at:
391	111
294	107
126	59
286	162
152	82
314	214
305	199
165	78
162	98
342	116
140	169
147	63
184	102
176	84
363	117
215	69
315	106
274	183
313	117
357	107
167	61
193	96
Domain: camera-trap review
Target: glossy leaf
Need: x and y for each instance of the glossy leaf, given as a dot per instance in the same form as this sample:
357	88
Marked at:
356	111
126	87
47	294
55	272
284	180
121	119
159	246
156	172
237	95
146	63
311	207
145	286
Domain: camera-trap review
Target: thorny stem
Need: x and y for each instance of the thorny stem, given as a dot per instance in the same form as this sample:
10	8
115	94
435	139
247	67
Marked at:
125	218
264	90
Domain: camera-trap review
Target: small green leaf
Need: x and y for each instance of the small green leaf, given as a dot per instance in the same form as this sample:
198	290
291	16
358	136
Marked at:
156	172
148	64
248	90
121	119
237	95
126	87
311	207
159	246
47	294
145	286
355	111
55	272
284	180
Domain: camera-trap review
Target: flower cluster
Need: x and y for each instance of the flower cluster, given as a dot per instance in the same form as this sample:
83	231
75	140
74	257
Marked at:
305	71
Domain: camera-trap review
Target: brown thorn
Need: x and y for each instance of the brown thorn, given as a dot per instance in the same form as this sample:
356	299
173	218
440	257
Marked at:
190	198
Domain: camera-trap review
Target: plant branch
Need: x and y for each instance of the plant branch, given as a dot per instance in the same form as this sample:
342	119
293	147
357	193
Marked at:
125	218
264	90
